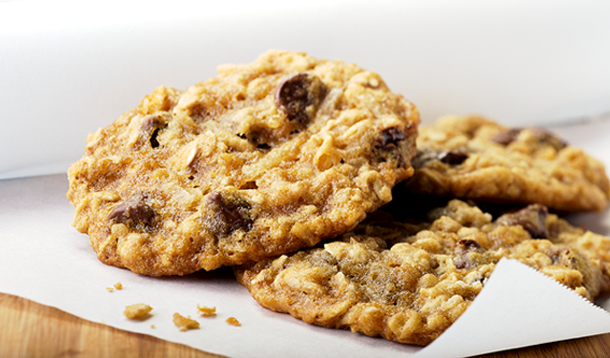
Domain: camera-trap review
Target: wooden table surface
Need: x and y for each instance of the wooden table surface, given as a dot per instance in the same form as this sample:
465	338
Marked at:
29	329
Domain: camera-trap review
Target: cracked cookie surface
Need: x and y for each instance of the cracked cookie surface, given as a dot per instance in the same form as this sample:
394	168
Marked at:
264	159
408	282
475	158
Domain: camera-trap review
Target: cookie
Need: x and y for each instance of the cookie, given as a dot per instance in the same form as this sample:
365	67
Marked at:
475	158
264	159
408	282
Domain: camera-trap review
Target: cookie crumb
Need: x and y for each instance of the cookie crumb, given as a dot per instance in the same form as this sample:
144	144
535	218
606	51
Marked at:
109	289
137	311
118	285
233	321
184	323
152	326
206	311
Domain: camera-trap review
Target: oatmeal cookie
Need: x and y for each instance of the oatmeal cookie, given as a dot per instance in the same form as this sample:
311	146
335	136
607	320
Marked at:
475	158
408	282
262	160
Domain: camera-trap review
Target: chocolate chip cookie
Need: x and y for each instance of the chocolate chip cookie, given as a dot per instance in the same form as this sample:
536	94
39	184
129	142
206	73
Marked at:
475	158
264	159
408	282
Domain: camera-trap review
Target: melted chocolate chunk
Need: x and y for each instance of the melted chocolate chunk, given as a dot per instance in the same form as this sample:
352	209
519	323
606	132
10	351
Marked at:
262	139
449	157
152	126
452	157
232	213
549	138
469	244
506	137
299	96
390	138
468	254
387	146
150	123
153	138
542	136
532	219
133	211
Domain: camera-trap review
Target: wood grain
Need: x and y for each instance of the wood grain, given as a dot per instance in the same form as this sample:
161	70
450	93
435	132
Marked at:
29	329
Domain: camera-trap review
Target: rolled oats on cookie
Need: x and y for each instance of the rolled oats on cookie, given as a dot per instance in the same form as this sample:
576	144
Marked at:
264	159
408	282
475	158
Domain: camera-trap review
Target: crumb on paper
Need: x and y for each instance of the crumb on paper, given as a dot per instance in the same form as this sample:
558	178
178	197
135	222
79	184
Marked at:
137	311
206	311
233	321
184	323
109	289
152	326
118	285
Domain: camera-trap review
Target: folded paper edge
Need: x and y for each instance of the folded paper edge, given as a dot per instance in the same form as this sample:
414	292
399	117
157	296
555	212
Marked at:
503	282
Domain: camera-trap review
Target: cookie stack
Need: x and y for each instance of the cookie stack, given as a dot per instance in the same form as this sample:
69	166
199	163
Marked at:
273	167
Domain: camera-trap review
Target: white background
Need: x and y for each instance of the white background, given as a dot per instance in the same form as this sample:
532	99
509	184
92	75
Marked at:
67	68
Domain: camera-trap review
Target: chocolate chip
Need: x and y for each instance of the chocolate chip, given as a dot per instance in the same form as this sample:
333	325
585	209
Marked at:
507	137
153	138
388	146
152	126
231	213
449	157
468	254
549	138
150	123
452	157
390	138
262	139
299	96
133	211
469	244
542	136
532	219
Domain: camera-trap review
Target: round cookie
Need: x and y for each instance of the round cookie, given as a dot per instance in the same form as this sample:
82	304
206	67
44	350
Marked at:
475	158
409	282
262	160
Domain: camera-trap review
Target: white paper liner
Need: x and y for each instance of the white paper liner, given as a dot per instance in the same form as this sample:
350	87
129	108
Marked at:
519	307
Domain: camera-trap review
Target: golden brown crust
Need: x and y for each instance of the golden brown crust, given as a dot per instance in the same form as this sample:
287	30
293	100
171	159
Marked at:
410	282
264	159
475	158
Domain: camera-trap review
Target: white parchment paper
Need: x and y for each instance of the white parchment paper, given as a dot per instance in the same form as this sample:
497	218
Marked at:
46	260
